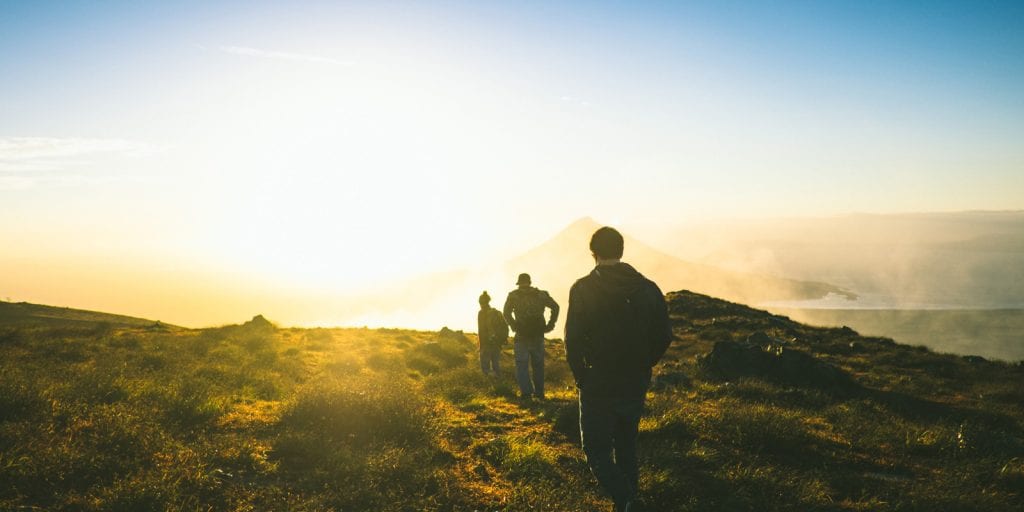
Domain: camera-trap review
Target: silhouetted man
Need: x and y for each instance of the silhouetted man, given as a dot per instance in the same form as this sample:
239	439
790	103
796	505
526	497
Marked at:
493	333
524	312
616	330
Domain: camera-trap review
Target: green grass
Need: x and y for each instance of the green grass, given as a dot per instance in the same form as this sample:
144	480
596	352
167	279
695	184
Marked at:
251	417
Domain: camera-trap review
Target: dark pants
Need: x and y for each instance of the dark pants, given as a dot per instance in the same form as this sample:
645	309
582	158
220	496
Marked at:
529	351
609	425
489	357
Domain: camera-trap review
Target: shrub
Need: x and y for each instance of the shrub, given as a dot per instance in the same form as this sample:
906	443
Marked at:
319	338
380	360
256	341
360	409
361	442
529	458
97	386
11	336
128	342
188	405
461	384
444	354
764	429
18	399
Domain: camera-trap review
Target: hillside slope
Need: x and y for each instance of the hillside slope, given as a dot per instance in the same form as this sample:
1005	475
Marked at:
256	417
24	314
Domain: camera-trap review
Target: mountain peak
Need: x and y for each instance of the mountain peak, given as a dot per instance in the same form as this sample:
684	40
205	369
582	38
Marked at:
584	223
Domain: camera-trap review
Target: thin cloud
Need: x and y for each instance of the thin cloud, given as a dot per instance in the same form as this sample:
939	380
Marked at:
29	149
29	161
269	54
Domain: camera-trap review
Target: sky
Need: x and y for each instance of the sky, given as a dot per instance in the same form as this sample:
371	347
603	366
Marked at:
155	153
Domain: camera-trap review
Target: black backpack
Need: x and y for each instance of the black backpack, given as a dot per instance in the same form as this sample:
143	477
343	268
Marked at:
529	311
640	329
499	329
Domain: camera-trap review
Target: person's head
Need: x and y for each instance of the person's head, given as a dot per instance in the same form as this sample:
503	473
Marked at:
485	300
524	279
606	245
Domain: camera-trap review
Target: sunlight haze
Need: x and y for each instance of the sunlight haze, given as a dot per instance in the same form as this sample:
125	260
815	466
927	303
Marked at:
202	162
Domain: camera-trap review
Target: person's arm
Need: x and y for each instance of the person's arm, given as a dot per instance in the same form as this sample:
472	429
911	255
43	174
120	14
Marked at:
507	311
575	335
661	330
554	312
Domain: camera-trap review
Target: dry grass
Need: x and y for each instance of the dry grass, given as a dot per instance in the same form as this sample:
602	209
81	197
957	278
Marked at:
251	418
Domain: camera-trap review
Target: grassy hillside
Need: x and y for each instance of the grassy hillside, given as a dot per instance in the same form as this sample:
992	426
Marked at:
252	417
24	314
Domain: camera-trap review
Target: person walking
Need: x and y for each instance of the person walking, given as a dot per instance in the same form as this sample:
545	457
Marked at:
616	330
524	312
493	333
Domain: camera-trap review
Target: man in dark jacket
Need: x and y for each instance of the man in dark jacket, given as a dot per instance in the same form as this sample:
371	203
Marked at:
524	312
493	333
616	330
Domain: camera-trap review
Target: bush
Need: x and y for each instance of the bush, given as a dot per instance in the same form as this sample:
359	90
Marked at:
360	409
461	384
367	436
429	358
527	458
11	336
97	386
187	405
764	429
18	400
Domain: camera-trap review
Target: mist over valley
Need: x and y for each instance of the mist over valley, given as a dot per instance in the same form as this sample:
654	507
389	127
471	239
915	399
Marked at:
951	281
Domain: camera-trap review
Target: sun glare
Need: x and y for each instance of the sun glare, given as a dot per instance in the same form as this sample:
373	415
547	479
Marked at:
335	178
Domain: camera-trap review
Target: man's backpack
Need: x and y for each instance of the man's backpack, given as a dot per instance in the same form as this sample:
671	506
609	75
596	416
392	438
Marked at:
499	329
529	311
652	323
641	329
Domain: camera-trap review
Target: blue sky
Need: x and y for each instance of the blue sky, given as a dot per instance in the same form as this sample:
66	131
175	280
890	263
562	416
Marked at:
271	137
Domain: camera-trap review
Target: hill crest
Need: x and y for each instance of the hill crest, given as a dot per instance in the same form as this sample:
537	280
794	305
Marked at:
25	314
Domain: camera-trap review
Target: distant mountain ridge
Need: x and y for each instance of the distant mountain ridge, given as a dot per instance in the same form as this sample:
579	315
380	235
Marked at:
558	262
449	298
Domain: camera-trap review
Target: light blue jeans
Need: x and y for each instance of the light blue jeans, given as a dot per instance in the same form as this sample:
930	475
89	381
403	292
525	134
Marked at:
529	351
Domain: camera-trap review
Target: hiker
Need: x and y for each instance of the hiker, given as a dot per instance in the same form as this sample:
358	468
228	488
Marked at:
524	312
493	333
616	330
